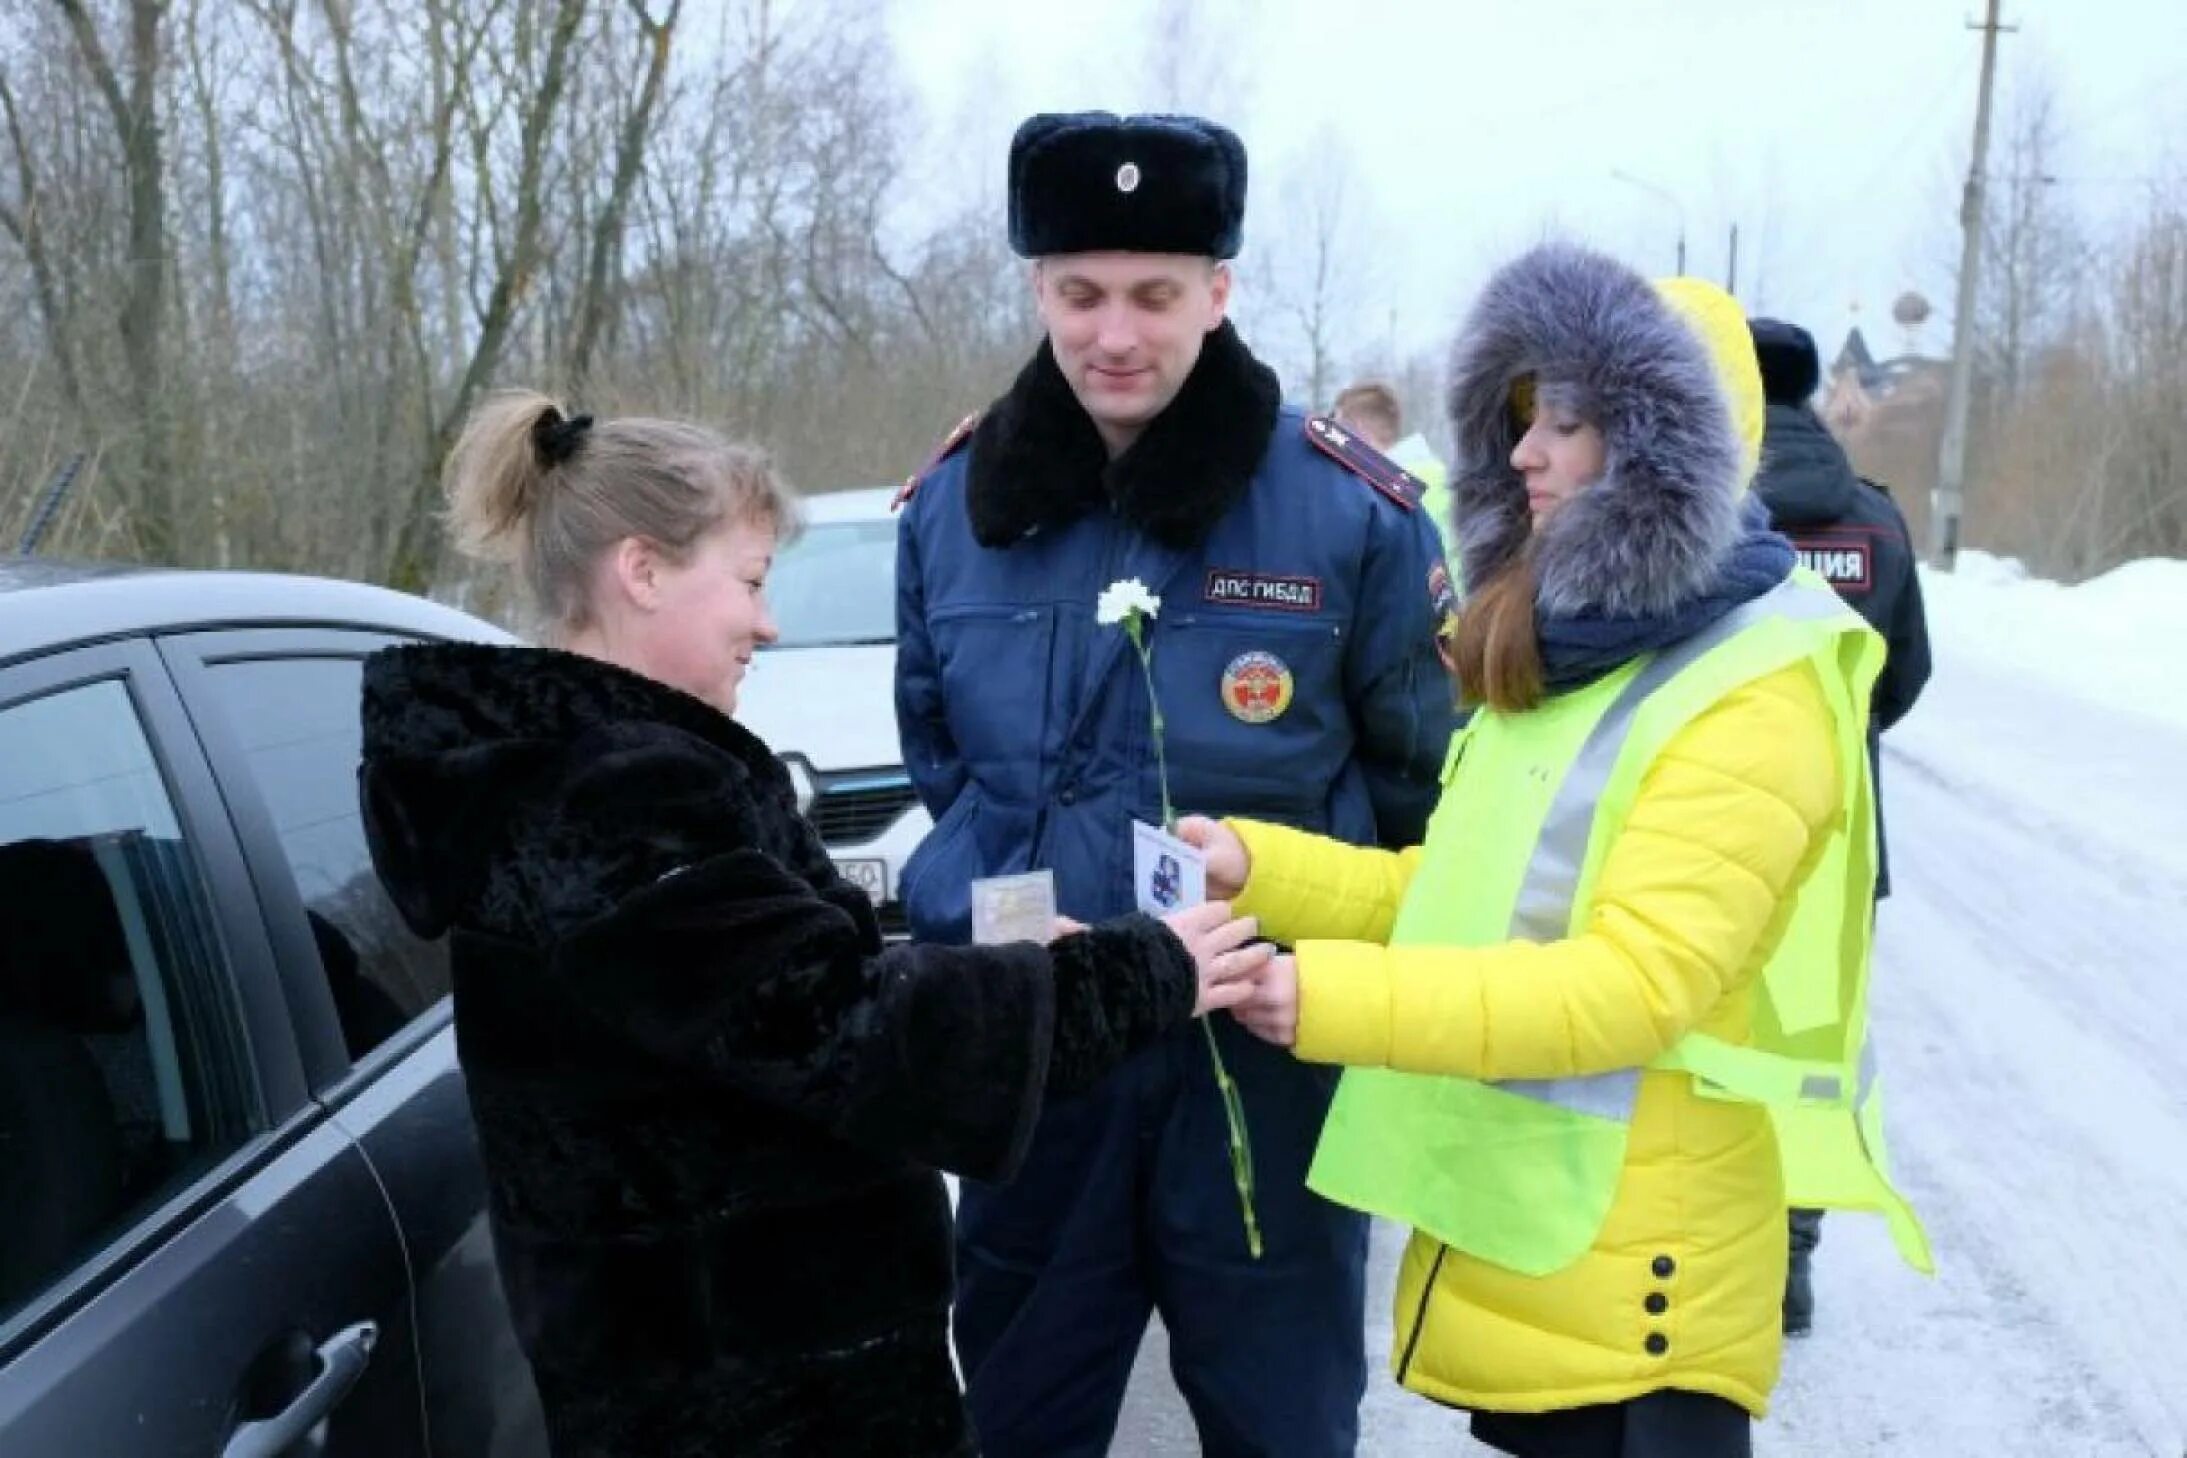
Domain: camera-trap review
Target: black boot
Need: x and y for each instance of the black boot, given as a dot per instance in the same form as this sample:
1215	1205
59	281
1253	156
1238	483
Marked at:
1804	1228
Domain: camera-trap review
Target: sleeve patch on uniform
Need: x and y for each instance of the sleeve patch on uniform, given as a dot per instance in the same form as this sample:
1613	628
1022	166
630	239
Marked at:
1364	461
1232	588
1845	560
1442	597
1443	606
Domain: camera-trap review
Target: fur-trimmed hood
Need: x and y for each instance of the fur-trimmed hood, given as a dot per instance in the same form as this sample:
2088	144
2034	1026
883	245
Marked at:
1675	390
1037	459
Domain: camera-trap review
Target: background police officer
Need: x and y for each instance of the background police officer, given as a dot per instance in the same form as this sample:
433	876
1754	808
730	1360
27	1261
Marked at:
1851	532
1294	662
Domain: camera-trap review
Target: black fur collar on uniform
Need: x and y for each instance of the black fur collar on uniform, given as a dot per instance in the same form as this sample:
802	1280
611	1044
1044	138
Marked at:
1038	461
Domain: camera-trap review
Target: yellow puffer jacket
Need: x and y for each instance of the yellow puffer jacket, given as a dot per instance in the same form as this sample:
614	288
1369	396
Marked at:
1690	903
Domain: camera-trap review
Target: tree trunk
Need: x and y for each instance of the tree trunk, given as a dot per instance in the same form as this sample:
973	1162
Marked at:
136	127
27	228
600	286
417	540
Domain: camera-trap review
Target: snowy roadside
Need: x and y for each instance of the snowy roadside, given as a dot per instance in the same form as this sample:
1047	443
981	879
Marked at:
2062	710
2033	1021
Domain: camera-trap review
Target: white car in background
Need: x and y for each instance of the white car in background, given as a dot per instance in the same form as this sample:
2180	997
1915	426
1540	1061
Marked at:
824	696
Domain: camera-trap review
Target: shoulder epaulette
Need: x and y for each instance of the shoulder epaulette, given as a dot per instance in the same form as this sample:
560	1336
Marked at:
950	445
1364	461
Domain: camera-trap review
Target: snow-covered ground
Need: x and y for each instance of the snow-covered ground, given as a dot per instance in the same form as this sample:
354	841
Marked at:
2031	996
2031	1008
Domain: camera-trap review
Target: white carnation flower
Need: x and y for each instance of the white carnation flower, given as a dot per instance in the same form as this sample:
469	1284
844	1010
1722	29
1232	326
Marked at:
1122	599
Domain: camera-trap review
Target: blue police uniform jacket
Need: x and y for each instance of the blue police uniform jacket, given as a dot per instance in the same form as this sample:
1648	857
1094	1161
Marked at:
1293	657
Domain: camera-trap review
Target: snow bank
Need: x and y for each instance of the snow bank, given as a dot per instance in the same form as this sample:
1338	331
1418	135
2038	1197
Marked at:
2119	640
2063	710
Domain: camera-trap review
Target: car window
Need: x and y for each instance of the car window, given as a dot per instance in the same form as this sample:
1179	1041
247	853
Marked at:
835	585
297	722
123	1069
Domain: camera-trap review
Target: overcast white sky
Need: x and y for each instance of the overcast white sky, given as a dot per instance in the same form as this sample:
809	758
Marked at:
1834	132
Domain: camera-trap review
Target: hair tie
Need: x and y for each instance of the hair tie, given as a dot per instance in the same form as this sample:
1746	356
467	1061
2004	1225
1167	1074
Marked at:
555	435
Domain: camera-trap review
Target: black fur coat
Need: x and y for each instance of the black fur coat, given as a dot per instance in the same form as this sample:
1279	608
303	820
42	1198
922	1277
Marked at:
710	1103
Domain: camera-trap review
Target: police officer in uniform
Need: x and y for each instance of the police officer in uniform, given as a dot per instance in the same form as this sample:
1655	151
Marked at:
1295	664
1850	531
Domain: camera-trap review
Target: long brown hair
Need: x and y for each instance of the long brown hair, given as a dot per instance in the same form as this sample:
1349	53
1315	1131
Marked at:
1497	656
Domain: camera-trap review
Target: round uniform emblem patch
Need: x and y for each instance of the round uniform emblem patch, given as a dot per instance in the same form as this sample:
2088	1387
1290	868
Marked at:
1256	687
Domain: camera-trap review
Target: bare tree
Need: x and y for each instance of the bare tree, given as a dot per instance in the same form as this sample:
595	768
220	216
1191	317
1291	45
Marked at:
597	297
1199	57
2032	251
361	214
1314	271
132	105
201	48
24	222
413	560
2149	366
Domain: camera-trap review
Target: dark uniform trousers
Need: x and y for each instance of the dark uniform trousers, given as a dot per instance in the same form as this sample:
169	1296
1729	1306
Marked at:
1127	1205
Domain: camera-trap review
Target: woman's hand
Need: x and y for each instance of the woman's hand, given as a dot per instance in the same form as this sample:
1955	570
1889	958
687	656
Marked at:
1217	942
1064	927
1228	863
1271	1013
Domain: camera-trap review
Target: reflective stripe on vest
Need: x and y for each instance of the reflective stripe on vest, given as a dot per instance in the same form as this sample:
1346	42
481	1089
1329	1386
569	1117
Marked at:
1522	1174
1549	894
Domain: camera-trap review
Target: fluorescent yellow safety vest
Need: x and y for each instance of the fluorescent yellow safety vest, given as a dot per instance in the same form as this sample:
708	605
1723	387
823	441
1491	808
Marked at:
1522	1174
1434	477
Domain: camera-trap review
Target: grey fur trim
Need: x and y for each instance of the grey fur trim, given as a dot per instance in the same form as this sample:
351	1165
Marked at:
1653	532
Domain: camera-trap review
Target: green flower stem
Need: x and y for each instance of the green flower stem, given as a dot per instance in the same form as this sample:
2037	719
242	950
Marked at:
1154	707
1241	1148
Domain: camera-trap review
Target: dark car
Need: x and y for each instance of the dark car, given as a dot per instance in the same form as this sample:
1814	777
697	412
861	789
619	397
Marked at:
241	1206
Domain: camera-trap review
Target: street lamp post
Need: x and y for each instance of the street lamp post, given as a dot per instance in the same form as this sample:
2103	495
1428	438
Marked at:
1663	195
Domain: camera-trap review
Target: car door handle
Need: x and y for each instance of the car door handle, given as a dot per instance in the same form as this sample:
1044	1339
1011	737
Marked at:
342	1359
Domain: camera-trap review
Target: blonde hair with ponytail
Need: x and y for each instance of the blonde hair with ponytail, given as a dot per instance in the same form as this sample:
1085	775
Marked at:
548	494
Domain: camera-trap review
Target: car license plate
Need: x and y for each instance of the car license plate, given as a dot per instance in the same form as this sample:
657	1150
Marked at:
870	877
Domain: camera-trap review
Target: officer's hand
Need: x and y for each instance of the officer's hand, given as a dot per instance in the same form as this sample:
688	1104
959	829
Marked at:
1217	941
1228	863
1272	1012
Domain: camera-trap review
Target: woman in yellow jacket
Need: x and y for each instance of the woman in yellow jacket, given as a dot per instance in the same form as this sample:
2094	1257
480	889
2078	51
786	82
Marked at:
1599	1248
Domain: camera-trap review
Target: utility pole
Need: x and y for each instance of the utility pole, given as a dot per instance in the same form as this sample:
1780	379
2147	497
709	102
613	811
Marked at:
1951	466
1731	269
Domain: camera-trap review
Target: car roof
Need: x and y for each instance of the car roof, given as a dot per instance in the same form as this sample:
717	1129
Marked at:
45	605
864	503
19	573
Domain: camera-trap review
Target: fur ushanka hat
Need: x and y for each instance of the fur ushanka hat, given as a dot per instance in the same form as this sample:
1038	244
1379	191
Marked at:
1093	182
1791	369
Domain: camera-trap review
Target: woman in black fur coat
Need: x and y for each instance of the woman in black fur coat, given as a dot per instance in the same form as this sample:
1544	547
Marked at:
710	1103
